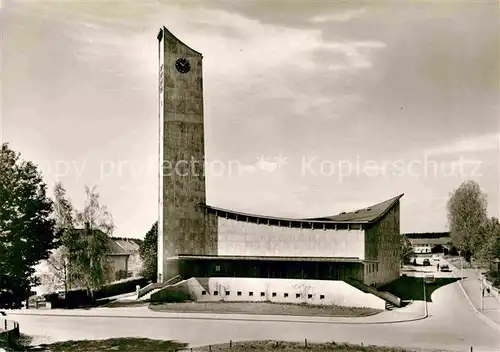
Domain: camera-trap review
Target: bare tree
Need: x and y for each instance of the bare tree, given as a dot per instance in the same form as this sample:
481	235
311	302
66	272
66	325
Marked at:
55	277
97	224
466	216
59	261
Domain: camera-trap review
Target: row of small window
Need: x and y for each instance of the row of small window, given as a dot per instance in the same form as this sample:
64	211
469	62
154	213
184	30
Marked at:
371	268
262	294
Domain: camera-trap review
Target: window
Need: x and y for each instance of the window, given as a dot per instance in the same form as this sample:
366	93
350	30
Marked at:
239	293
274	294
285	295
309	296
216	293
250	293
262	294
297	295
203	293
321	296
227	293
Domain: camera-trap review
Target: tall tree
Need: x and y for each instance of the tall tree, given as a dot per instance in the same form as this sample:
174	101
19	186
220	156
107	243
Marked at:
91	253
59	272
466	216
27	232
149	253
489	237
406	250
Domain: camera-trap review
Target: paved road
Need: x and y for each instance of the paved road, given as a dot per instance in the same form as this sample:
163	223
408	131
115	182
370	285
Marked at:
451	325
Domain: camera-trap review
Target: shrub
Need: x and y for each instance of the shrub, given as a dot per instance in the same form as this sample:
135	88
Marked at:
80	298
494	278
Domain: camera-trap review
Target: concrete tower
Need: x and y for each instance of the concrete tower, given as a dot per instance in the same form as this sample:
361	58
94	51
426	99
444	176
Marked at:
181	219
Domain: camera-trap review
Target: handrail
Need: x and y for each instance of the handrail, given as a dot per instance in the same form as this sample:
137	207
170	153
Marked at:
386	296
146	289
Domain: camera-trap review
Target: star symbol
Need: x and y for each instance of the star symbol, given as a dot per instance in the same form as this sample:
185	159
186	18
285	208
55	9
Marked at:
281	160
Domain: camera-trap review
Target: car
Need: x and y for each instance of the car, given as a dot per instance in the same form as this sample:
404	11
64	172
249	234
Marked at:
445	268
427	262
435	258
429	278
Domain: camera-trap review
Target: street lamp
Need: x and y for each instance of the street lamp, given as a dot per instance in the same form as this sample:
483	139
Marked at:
482	292
461	265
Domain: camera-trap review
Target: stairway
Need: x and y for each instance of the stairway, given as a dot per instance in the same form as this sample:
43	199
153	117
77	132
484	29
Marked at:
389	306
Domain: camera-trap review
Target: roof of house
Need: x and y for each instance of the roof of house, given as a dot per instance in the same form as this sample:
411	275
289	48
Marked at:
366	215
119	245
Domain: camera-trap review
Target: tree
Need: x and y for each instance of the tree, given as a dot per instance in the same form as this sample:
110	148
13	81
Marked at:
27	232
65	225
466	216
489	237
55	275
89	258
149	253
406	250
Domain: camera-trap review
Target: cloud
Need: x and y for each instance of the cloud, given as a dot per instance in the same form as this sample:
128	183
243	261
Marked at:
484	142
339	17
264	164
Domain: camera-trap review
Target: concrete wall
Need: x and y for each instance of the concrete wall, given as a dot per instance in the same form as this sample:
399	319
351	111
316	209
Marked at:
242	238
382	245
315	292
182	151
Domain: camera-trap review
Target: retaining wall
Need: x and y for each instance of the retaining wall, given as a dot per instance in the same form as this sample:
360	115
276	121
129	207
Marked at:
315	292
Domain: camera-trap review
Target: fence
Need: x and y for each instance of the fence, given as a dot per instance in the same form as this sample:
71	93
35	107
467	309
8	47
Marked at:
9	331
493	291
255	345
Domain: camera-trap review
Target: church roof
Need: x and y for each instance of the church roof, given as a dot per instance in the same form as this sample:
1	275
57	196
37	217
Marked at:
369	214
366	215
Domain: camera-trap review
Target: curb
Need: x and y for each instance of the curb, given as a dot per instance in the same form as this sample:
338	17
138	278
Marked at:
294	319
481	316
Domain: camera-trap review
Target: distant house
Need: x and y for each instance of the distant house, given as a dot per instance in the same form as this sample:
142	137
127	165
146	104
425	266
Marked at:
430	242
124	258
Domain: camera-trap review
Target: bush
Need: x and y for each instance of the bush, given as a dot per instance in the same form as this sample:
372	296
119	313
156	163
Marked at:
494	278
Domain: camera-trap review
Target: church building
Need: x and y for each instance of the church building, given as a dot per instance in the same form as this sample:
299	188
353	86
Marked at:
196	240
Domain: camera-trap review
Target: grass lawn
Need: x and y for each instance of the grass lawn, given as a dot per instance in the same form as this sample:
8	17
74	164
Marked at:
264	308
412	288
137	344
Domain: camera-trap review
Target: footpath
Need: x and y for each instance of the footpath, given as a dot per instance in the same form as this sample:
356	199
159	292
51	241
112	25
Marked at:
471	285
412	312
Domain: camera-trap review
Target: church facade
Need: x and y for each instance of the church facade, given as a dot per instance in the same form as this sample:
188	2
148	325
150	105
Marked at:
198	240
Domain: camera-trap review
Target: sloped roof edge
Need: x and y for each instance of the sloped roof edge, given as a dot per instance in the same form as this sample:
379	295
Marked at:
356	217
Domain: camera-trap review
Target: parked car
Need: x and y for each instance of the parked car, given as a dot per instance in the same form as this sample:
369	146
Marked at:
435	258
429	278
445	268
427	262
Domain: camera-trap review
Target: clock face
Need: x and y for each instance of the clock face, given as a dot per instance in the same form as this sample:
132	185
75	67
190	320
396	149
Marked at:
182	65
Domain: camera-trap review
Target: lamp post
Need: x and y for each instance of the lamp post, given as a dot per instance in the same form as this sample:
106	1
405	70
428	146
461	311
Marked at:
482	292
461	265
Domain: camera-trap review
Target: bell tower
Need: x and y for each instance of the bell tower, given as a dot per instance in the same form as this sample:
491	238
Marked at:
181	219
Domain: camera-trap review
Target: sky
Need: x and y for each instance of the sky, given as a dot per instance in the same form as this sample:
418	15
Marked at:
311	108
